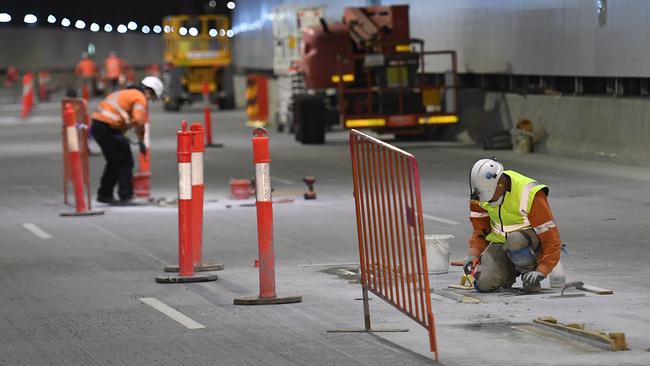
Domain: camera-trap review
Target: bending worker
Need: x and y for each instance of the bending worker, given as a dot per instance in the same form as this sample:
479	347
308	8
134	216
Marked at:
120	111
513	229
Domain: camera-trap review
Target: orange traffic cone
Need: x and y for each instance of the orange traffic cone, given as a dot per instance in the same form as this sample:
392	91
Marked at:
28	94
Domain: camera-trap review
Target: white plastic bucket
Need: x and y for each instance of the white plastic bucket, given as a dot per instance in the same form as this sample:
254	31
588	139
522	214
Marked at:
437	247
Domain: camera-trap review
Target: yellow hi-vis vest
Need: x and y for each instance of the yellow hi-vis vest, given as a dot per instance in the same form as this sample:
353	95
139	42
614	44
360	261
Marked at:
512	214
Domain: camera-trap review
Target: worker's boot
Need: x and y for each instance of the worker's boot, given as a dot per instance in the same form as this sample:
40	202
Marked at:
534	288
106	199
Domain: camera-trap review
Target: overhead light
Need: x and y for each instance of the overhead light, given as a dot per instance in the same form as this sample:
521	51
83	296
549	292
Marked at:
145	29
194	32
80	24
212	3
132	26
182	31
108	28
213	32
230	33
4	18
30	19
65	22
157	29
51	19
167	29
222	32
121	28
230	5
94	27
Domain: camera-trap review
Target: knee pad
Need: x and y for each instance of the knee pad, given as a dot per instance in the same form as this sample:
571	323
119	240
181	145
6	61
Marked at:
477	277
521	239
523	257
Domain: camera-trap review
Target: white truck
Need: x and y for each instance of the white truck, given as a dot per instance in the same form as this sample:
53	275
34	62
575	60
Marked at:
289	23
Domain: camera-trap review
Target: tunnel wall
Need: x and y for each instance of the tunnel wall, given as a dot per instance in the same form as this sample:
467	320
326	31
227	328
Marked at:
50	48
594	127
538	37
253	49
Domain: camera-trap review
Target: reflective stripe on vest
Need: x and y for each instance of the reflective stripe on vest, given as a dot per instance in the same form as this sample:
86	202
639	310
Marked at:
512	215
477	215
544	227
112	101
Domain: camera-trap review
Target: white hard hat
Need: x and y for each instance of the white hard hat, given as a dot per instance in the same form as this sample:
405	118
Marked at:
154	84
483	179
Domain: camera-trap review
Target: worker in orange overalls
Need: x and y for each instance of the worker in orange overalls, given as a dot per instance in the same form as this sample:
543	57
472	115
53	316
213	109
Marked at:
119	112
514	232
86	70
113	68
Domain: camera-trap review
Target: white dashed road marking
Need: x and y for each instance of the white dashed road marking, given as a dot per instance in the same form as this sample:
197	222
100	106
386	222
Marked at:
280	180
37	230
440	219
172	313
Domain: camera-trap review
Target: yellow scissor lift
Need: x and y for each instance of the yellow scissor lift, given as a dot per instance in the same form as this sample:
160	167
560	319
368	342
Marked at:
197	51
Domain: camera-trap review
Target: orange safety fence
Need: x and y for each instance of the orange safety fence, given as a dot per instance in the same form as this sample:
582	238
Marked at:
82	122
390	230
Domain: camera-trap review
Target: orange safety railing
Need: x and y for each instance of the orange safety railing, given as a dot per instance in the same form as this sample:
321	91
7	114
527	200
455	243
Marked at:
390	230
83	122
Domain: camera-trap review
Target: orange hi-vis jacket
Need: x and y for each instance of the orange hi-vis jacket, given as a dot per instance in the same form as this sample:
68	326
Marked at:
123	108
113	66
539	216
86	68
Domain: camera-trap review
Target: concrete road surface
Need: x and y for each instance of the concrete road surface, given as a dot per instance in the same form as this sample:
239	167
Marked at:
81	290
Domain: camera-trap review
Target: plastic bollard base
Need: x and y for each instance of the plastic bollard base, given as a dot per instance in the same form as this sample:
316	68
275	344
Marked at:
268	300
203	267
186	279
85	213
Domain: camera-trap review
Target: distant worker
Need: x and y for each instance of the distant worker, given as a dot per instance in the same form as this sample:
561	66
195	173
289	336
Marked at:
119	112
11	82
86	70
127	77
153	70
113	69
513	229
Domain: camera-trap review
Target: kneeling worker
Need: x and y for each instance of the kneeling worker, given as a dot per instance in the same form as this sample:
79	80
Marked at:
120	111
513	229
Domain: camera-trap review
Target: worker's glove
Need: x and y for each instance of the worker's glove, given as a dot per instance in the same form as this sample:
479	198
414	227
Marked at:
532	278
469	262
143	147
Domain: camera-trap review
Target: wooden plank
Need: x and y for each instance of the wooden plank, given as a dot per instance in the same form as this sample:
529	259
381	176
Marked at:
595	289
614	342
456	297
459	287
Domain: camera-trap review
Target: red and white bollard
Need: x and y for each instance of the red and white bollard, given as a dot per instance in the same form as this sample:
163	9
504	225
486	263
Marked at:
185	266
198	188
85	92
71	138
43	84
28	94
142	178
264	205
207	117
